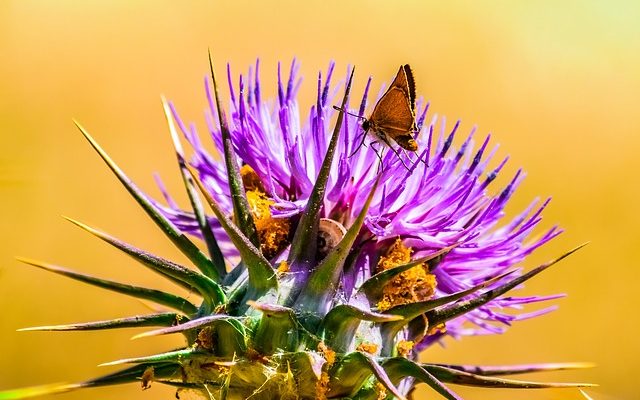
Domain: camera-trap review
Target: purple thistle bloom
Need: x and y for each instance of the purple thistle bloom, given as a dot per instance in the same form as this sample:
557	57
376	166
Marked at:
443	199
341	270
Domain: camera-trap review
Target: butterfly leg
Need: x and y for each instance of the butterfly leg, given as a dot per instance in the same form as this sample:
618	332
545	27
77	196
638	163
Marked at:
401	160
362	143
408	155
384	139
414	164
375	150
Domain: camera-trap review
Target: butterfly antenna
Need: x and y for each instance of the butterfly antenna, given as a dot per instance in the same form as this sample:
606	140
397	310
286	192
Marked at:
347	112
363	134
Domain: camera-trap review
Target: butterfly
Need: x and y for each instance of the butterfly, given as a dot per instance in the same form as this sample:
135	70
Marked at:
394	114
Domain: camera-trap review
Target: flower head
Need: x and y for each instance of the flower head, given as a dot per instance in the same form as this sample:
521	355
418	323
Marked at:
327	266
443	200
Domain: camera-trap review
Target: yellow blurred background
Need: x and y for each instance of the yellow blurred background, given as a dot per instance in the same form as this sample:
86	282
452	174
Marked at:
557	83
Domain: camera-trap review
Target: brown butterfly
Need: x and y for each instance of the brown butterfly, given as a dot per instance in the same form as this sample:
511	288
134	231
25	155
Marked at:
394	114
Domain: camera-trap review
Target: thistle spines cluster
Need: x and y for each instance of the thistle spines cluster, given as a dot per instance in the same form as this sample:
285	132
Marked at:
283	327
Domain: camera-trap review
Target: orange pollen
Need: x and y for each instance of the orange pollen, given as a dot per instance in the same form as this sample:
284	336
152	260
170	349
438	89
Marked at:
283	267
404	347
322	385
440	328
251	180
367	347
413	285
273	233
381	391
327	353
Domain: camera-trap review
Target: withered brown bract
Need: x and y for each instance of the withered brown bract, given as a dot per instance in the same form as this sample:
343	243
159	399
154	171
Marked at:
394	114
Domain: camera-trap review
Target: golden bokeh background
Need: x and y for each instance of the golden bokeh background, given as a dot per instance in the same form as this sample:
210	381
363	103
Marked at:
557	83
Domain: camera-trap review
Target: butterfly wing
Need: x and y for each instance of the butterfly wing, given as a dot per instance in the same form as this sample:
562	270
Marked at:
393	111
394	118
404	80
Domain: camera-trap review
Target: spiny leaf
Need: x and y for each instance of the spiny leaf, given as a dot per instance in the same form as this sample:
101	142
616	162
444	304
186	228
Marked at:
276	330
134	374
464	378
412	310
353	364
340	324
231	338
241	209
323	281
207	287
128	375
374	286
442	315
157	296
195	323
175	356
179	239
270	309
304	243
400	367
261	274
512	369
35	391
307	364
161	319
198	211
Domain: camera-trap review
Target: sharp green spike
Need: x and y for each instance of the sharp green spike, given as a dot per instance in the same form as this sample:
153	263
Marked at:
35	391
262	277
198	211
188	325
513	369
180	240
464	378
171	356
190	279
412	310
162	319
157	296
399	367
241	209
442	315
303	245
322	282
134	374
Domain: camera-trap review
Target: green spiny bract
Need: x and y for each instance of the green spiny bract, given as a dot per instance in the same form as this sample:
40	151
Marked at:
285	327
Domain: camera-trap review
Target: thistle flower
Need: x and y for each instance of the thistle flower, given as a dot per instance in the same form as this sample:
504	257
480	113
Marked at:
326	269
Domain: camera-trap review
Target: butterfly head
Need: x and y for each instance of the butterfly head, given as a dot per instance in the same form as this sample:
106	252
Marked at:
366	125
